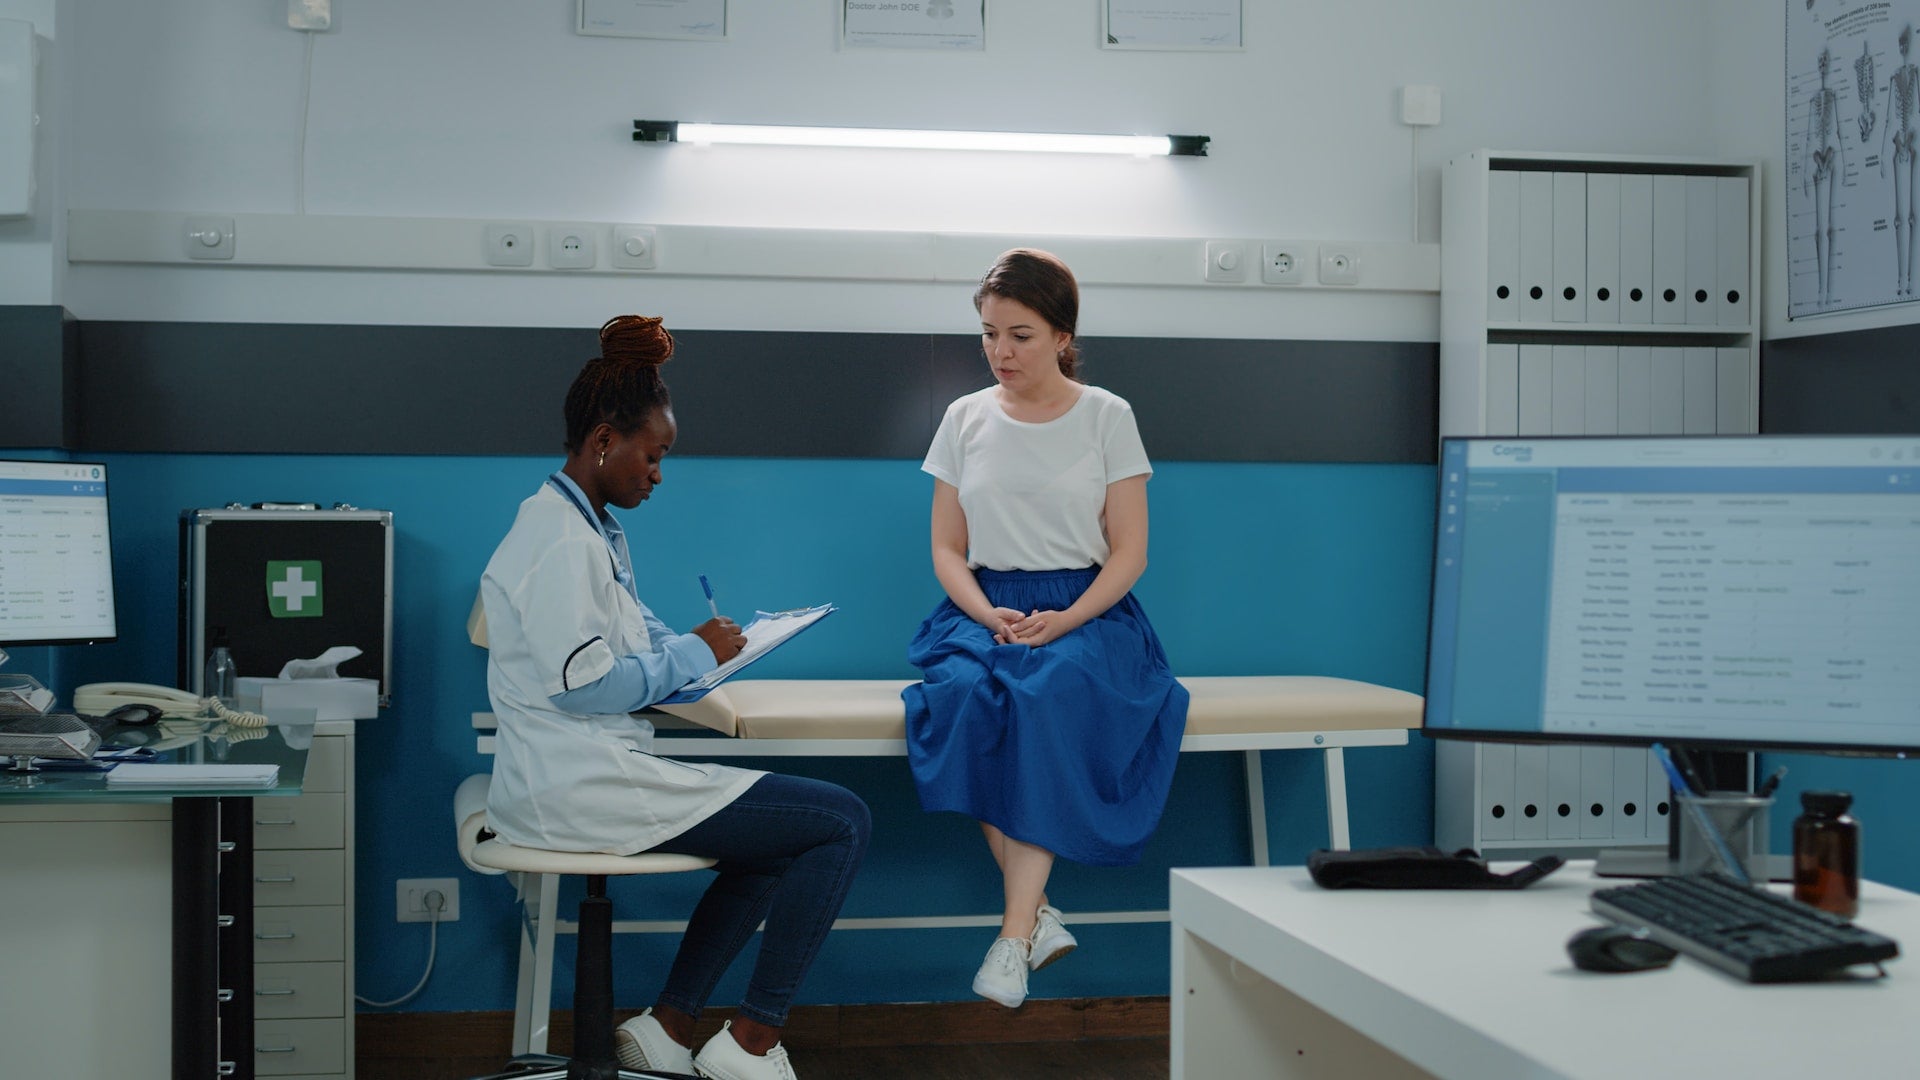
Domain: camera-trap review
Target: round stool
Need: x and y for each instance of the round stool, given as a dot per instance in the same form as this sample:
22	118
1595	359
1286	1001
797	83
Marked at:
593	1057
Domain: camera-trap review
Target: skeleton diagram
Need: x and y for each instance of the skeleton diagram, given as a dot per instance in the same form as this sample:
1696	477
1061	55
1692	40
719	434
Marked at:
1829	164
1903	95
1863	86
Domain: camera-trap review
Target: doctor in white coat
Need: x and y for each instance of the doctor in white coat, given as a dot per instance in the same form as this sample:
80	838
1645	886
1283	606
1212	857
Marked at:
572	652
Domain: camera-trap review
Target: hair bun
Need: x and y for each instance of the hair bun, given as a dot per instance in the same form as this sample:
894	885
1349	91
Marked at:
639	339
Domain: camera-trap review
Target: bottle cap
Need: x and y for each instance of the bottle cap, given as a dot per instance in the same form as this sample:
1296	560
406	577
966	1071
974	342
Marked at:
1826	802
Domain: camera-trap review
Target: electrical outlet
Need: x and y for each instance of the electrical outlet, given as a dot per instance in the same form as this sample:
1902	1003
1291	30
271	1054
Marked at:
1283	262
1226	260
570	248
509	245
309	14
412	898
1339	265
633	247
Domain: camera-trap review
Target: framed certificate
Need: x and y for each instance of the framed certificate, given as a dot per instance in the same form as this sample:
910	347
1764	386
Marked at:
1172	24
675	20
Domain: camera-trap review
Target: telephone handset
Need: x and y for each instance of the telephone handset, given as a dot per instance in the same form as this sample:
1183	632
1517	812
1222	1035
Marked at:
98	699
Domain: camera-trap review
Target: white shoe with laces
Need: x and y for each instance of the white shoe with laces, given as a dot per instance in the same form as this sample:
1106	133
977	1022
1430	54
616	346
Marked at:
641	1043
1051	941
1003	975
723	1059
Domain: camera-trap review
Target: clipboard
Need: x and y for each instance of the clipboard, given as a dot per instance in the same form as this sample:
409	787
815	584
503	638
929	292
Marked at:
768	631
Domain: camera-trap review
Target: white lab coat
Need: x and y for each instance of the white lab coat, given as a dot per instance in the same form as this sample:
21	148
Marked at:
556	619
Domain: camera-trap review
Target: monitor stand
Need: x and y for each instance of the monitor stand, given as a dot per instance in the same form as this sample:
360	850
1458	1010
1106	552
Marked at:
1647	862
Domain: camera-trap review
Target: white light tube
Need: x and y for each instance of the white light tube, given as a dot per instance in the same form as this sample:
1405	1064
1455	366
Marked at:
900	138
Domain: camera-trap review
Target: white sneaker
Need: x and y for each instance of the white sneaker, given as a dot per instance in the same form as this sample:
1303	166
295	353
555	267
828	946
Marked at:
641	1043
1003	975
723	1059
1051	941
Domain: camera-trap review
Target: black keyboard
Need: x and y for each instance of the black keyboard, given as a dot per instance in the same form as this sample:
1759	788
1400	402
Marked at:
1760	936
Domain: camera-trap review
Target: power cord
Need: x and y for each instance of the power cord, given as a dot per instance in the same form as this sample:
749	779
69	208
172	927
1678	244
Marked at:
435	902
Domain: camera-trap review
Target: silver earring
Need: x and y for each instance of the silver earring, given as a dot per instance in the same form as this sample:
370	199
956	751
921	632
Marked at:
603	458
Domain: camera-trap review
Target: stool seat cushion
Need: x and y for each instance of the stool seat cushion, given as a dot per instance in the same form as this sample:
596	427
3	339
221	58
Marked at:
499	855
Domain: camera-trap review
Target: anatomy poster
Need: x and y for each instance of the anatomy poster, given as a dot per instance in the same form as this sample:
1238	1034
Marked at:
1853	108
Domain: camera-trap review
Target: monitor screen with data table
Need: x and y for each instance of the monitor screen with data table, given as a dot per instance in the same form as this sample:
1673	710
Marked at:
56	554
1747	592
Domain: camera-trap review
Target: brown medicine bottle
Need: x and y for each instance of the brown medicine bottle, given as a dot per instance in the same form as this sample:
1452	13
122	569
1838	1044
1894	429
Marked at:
1826	853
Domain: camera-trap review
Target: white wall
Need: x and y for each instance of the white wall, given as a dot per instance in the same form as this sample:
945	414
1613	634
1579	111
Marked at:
494	108
30	271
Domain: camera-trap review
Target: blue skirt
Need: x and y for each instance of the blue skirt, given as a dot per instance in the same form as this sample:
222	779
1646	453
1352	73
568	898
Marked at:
1070	746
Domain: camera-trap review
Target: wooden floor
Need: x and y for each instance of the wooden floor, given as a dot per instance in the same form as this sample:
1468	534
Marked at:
1086	1039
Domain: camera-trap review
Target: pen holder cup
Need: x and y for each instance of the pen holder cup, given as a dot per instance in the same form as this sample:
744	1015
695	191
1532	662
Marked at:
1740	819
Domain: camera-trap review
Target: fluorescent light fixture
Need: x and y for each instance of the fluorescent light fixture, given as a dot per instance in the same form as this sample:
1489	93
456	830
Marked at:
903	138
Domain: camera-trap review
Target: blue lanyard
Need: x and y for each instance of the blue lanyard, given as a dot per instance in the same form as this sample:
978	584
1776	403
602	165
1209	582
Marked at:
620	572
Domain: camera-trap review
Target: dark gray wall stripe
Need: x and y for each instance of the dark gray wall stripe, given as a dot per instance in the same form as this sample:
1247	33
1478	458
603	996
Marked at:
277	388
37	378
1861	382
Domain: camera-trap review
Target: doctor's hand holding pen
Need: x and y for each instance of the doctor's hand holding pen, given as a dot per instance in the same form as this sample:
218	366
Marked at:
723	636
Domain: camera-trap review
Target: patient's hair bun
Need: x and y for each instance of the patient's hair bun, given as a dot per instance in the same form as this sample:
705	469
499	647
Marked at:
639	339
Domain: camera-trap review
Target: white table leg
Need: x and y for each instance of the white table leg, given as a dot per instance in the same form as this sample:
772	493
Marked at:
1337	834
1256	807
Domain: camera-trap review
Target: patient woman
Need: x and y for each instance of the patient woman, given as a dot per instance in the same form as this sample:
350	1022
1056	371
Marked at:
1048	711
573	653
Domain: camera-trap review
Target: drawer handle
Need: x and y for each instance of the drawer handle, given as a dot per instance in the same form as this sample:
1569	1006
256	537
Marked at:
223	921
272	993
226	1068
288	936
257	821
274	1049
223	996
288	880
226	846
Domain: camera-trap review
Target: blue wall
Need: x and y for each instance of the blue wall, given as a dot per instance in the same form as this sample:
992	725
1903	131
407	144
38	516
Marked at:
1312	569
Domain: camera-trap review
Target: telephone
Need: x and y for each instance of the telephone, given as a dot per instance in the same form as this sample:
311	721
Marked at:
98	699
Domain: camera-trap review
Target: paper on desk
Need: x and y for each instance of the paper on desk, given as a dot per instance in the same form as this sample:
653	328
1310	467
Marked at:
167	774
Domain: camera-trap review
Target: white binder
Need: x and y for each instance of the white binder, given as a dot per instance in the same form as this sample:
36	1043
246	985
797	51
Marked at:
1603	390
1629	792
1569	247
1503	246
1669	249
1569	390
1536	390
1503	390
1636	249
1595	809
1635	414
1563	792
1658	796
1731	208
1603	247
1666	386
1536	246
1703	250
1496	791
1530	792
1700	391
1732	415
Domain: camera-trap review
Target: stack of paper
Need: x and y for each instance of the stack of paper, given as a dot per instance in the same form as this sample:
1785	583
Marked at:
167	775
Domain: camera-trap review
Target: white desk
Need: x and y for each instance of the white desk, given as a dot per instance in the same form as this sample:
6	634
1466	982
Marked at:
1274	976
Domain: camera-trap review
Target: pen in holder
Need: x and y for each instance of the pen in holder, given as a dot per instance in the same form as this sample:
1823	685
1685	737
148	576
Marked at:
1740	822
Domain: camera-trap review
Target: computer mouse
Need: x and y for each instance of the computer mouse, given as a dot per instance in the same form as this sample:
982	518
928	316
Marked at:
1617	948
134	714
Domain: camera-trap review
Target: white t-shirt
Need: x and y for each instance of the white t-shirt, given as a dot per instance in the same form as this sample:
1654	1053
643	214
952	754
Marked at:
1035	495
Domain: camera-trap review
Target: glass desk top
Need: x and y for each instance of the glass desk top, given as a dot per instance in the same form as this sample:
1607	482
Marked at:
195	742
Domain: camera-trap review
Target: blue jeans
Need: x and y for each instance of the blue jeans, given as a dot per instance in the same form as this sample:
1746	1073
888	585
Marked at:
788	848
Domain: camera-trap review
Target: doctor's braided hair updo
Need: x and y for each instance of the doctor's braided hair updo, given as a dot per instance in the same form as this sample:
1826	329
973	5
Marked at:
622	386
1039	280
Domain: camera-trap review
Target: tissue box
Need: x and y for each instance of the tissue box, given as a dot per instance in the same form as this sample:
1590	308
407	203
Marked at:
330	699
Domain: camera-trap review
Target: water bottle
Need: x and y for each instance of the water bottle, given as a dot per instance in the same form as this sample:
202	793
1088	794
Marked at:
222	677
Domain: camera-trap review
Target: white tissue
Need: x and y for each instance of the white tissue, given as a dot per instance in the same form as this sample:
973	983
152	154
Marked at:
324	666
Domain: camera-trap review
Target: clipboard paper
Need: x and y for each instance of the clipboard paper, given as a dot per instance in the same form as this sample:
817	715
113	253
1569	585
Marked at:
767	632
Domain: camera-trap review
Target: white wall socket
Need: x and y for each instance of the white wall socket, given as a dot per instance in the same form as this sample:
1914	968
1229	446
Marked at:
509	244
1339	265
1283	262
633	247
570	247
410	899
1226	260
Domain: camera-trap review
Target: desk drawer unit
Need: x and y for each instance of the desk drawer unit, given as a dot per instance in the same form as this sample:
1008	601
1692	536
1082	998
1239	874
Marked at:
303	918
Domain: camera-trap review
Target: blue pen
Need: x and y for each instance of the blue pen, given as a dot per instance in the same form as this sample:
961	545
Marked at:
1735	868
708	589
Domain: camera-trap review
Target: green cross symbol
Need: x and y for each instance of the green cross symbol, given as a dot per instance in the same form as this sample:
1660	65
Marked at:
293	590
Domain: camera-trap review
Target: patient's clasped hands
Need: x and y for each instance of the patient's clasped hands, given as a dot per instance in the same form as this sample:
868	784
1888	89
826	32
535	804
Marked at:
1037	628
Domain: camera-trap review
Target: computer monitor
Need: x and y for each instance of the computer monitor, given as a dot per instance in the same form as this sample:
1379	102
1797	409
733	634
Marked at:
56	554
1758	592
